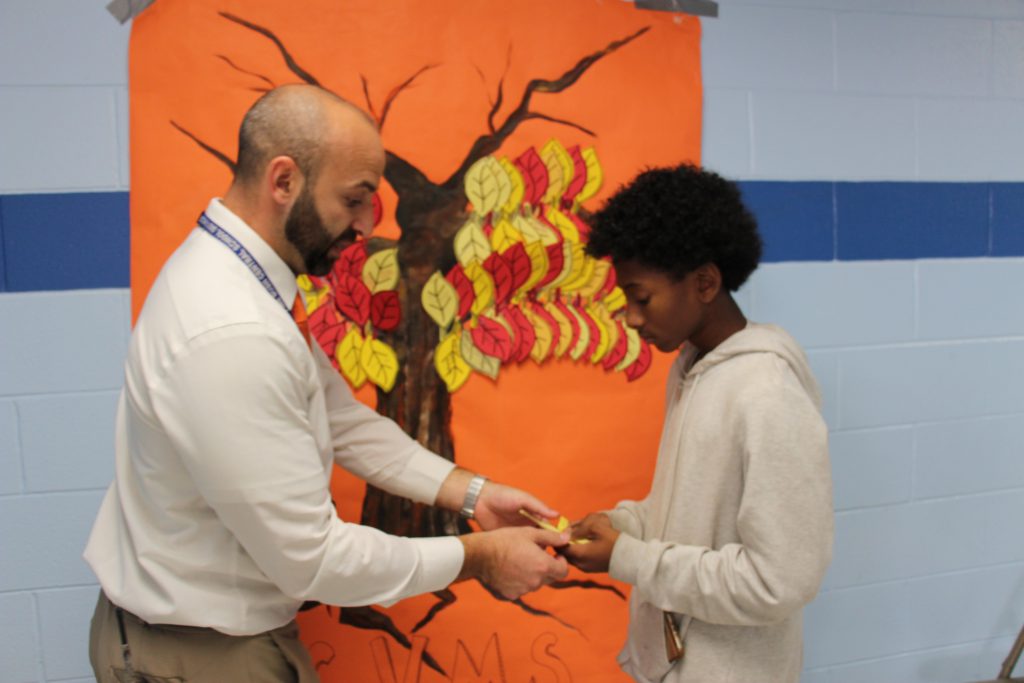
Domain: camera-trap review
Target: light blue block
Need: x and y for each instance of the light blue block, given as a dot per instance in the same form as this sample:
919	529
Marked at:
1008	59
11	477
19	648
60	42
917	539
825	366
913	55
726	132
58	138
975	456
63	341
64	617
827	305
123	147
970	298
777	48
873	467
893	618
927	383
830	136
970	139
68	441
43	537
953	664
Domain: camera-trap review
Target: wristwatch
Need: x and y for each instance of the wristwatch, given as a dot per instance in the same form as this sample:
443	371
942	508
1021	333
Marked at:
472	493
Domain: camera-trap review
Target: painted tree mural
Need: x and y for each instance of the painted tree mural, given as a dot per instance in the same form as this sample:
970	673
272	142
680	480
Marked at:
489	270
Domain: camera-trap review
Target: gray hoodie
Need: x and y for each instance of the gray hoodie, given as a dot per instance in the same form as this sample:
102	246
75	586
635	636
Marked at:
736	532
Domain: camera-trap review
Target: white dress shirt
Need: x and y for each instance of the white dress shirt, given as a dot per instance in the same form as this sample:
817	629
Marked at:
227	427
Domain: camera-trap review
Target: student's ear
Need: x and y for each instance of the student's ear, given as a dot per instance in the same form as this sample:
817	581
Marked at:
709	282
284	180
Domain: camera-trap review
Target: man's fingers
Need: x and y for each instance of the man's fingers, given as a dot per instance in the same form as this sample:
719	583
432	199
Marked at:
553	539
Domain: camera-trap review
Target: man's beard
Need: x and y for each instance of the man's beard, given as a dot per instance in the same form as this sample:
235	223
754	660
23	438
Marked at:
306	231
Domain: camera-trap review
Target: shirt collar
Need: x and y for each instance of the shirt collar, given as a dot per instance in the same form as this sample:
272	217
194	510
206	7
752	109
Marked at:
273	265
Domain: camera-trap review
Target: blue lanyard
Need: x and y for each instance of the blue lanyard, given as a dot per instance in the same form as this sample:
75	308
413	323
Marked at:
228	240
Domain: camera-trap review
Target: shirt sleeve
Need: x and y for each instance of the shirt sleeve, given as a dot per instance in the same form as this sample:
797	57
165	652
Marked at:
376	449
785	525
236	406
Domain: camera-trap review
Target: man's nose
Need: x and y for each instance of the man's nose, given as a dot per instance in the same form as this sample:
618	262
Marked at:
363	223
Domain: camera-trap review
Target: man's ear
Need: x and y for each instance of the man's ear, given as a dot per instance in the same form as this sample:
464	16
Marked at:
709	282
284	180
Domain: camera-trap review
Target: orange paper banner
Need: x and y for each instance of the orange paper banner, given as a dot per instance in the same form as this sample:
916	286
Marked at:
442	75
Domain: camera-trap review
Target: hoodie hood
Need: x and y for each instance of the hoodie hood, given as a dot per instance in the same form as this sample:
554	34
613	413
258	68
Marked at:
754	338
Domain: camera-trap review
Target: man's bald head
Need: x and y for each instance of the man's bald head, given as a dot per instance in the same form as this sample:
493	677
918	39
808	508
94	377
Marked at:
292	120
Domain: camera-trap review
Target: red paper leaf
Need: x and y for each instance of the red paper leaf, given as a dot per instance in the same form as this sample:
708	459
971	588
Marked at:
463	287
556	331
535	176
352	298
556	261
579	176
595	333
378	209
641	364
608	286
519	261
573	322
492	338
350	261
329	338
618	351
581	226
525	337
501	273
385	310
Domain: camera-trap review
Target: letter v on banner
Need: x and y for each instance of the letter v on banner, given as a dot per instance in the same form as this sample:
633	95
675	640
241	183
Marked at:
386	671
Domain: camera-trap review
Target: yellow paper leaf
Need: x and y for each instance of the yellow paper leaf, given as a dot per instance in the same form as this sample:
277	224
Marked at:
515	196
483	287
347	354
581	274
615	300
471	244
538	265
568	263
542	331
487	185
381	273
595	177
380	363
440	300
565	226
584	340
449	363
477	359
504	235
596	312
632	349
560	170
564	329
598	275
533	230
304	283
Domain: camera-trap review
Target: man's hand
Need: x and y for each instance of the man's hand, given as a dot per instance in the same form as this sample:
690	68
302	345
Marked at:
513	561
596	555
499	506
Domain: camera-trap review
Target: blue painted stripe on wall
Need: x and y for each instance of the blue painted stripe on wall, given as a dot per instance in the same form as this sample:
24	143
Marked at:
65	241
80	240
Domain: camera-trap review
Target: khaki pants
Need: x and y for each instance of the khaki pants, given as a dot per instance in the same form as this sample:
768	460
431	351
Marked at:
163	653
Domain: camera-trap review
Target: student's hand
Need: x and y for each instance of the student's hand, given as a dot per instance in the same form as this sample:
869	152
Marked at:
595	555
513	561
499	505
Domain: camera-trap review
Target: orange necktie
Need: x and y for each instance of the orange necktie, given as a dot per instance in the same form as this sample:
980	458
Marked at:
300	317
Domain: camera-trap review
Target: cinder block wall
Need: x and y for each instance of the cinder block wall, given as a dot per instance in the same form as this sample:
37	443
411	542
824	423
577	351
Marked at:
879	143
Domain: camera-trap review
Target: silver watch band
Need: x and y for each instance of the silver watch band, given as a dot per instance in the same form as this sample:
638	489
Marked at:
472	493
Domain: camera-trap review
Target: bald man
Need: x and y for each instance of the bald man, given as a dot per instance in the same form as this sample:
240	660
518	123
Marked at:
219	522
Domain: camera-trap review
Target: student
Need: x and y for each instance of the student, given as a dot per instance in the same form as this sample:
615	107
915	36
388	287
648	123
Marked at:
734	537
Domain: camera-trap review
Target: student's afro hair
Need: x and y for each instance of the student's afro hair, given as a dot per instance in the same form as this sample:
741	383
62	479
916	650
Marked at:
676	220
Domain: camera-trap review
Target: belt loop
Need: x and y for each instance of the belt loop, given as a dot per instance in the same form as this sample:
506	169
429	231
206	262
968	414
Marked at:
126	652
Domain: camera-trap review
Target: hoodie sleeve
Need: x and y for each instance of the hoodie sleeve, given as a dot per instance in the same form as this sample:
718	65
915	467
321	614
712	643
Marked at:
784	522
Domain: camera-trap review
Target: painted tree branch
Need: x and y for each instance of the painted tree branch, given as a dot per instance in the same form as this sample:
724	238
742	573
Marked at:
220	156
397	90
488	144
293	66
